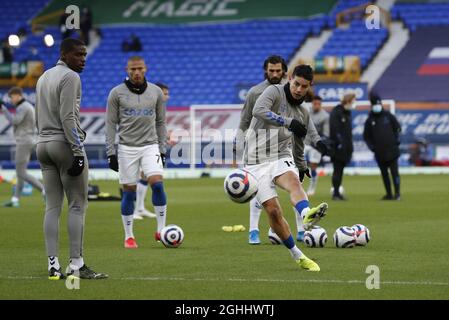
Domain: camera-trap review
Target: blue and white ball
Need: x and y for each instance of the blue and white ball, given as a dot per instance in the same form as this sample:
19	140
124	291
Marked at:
361	234
240	186
273	237
344	237
172	236
316	237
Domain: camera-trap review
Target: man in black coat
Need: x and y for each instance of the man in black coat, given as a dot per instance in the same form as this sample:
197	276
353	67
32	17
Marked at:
382	135
340	123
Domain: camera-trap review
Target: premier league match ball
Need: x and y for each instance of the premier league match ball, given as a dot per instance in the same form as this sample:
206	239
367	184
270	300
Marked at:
240	186
361	234
315	238
172	236
273	237
344	237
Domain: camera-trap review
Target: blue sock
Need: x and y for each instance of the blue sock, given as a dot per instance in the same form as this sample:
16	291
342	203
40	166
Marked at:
289	243
144	182
128	202
301	205
159	198
314	175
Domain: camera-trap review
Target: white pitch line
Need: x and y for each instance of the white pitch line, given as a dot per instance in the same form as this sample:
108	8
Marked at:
398	283
412	283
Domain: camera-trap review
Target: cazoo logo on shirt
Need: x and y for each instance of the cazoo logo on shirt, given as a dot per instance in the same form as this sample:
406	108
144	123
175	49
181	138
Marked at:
134	112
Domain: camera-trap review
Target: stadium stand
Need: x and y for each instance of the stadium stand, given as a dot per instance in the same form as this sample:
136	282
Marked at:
415	15
416	66
16	14
341	6
355	41
202	64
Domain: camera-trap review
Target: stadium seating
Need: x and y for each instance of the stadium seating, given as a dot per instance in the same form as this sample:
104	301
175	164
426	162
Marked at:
421	14
201	64
16	14
48	55
355	40
341	6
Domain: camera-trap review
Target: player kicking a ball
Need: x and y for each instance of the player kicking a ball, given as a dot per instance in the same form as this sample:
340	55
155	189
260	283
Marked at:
137	108
278	121
275	69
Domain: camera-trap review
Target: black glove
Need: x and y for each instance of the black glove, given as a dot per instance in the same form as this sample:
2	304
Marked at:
163	159
77	166
113	163
304	173
298	128
322	148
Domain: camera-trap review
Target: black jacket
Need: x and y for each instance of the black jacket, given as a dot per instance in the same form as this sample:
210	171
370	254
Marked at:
340	123
382	135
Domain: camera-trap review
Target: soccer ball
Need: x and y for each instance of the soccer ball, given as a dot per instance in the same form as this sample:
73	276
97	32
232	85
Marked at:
361	234
315	238
344	237
273	237
340	189
172	236
240	186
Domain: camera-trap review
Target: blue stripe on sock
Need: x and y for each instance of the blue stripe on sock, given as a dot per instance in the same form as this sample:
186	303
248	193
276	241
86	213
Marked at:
301	205
128	203
289	243
144	182
159	198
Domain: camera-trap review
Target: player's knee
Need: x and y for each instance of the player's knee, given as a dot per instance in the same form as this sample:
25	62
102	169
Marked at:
274	211
77	209
159	198
129	188
21	173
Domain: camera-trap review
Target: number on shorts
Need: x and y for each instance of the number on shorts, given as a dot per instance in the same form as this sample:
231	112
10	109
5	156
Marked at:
289	163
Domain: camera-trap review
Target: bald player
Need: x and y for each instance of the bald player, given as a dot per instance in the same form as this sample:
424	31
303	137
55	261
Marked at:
24	124
63	160
136	112
142	187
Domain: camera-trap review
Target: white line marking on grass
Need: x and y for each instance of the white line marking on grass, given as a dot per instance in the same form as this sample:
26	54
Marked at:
412	283
397	283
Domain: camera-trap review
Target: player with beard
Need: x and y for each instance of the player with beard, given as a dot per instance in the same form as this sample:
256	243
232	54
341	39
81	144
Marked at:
274	155
275	70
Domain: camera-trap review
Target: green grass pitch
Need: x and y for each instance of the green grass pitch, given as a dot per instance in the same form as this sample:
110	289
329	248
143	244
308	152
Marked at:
409	244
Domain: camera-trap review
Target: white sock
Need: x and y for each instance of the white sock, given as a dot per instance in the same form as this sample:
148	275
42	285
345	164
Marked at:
14	199
53	262
313	183
296	253
128	226
76	263
255	209
141	192
304	211
299	222
161	215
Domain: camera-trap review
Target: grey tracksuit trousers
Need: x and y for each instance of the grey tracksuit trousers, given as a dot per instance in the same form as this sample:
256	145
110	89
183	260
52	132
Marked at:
23	153
55	158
